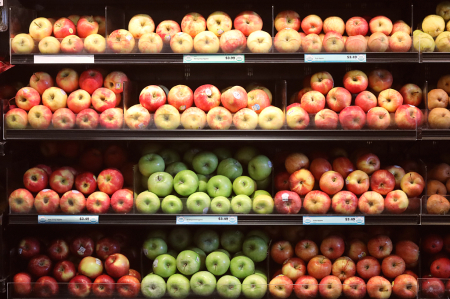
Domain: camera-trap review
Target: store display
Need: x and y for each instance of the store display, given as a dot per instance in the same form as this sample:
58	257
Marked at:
437	102
433	34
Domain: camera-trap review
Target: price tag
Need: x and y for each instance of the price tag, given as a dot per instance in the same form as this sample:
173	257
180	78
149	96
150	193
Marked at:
68	219
1	2
207	219
213	58
334	220
317	58
38	59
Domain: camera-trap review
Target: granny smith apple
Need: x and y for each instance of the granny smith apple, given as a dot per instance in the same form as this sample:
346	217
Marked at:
244	185
180	238
202	182
175	168
151	148
185	182
245	154
169	156
188	262
171	204
205	162
158	233
164	265
259	233
223	251
172	252
203	283
229	287
220	205
147	203
153	247
144	181
254	287
190	154
261	272
198	203
217	263
219	185
222	153
178	286
263	204
207	240
231	168
264	184
150	164
160	183
255	248
201	254
241	204
242	266
259	168
232	240
259	192
153	286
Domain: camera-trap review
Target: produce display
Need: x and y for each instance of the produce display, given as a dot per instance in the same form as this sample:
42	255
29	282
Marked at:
84	101
438	186
324	106
437	104
434	32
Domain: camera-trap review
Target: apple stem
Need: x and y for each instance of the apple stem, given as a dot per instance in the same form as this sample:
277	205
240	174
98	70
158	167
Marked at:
37	24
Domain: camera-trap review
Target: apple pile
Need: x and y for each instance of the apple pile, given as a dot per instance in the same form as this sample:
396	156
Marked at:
203	263
438	186
434	34
436	249
245	109
80	264
320	179
60	111
390	108
310	269
437	103
70	35
214	177
384	37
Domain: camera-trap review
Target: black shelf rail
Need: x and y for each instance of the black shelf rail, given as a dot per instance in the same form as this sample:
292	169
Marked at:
428	134
435	57
427	219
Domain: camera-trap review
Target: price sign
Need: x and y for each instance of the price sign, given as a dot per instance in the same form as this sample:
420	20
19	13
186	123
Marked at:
207	219
213	58
318	58
49	59
68	219
334	220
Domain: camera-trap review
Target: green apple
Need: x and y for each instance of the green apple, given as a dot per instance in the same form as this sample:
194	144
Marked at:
231	168
220	205
255	248
264	184
151	148
188	262
259	168
259	192
147	203
232	240
144	181
241	204
175	168
153	286
223	251
160	183
203	283
244	185
153	247
263	204
242	266
261	272
169	156
217	263
202	182
150	164
239	253
219	185
158	233
205	162
164	265
222	153
259	233
190	154
229	287
180	238
245	154
172	252
185	182
171	204
178	286
254	287
201	254
198	203
207	240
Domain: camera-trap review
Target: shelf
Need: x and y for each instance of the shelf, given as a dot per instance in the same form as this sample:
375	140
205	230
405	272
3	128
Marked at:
434	57
426	219
435	134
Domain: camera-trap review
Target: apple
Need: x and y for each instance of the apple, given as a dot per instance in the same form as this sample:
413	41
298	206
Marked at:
45	286
354	288
437	204
344	202
236	98
313	102
21	201
248	22
128	286
67	80
382	181
72	44
39	265
356	44
40	81
47	202
311	43
207	97
369	163
219	22
64	27
440	268
437	98
122	201
150	43
332	247
317	202
330	287
331	182
380	79
287	40
355	81
181	43
356	26
392	266
306	287
405	286
28	247
312	24
153	286
206	42
378	42
121	41
141	24
368	267
287	19
103	286
334	24
22	44
357	249
40	28
352	118
259	42
109	181
181	97
95	43
86	26
167	29
80	286
371	203
379	287
87	119
152	97
219	118
91	80
343	166
233	41
281	251
412	184
401	26
193	23
401	42
432	288
380	24
27	97
380	246
64	271
91	267
333	42
319	267
117	265
326	119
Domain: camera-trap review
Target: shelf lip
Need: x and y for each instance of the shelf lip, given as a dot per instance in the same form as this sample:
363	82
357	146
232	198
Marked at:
430	134
426	219
435	57
170	135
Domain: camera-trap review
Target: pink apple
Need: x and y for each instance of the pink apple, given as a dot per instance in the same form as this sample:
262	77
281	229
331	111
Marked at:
317	202
400	42
344	202
258	100
67	80
343	165
380	79
72	44
287	19
166	29
355	81
356	26
352	118
87	119
103	99
408	117
47	202
312	24
219	118
64	119
193	23
181	97
333	42
313	102
381	24
378	118
412	184
338	98
233	41
207	97
343	268
109	181
122	201
137	117
356	44
371	203
326	119
35	179
72	202
401	26
366	100
86	183
61	180
322	82
287	202
40	81
334	24
354	288
234	99
248	22
115	81
312	43
369	163
396	202
382	182
64	27
86	26
331	182
412	94
98	203
121	41
378	42
112	119
152	97
79	100
297	118
27	98
357	182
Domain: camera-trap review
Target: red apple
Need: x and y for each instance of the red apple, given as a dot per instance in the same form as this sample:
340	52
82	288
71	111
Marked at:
354	288
440	268
45	287
105	247
382	181
82	246
405	286
296	161
392	266
58	250
301	182
64	271
35	179
357	182
319	267
122	201
61	180
352	118
103	286
293	268
408	251
355	81
281	287
338	98
380	79
281	251
317	202
368	267
28	248
98	203
287	202
109	181
366	100
306	250
332	247
80	286
357	249
86	183
22	284
331	182
322	82
117	265
412	184
318	167
128	286
369	163
343	268
380	246
398	174
344	202
39	265
90	80
379	287
282	181
306	287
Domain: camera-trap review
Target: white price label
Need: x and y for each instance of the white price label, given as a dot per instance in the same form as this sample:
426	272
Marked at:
202	219
334	220
213	58
68	219
1	2
318	58
48	59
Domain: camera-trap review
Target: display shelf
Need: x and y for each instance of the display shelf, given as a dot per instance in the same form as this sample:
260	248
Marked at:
434	57
426	219
429	134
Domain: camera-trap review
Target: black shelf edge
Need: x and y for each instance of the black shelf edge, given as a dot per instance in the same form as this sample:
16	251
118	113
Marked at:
435	219
436	134
170	135
435	57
